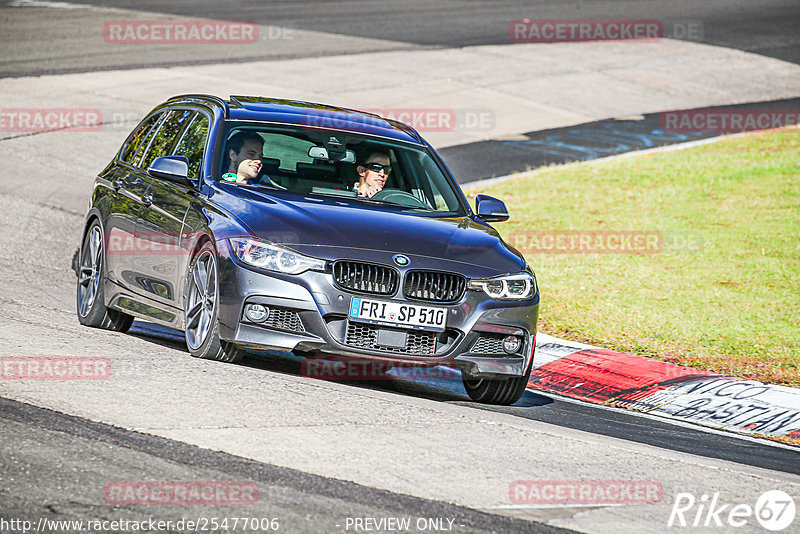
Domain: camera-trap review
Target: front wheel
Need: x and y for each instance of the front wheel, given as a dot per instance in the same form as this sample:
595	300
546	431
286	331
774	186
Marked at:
202	326
90	304
502	391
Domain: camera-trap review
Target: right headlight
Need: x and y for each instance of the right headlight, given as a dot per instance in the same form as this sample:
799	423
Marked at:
273	257
519	286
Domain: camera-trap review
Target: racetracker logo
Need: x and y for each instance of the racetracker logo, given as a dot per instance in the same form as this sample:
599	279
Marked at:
330	369
728	120
605	242
585	492
120	243
180	32
26	120
421	119
588	242
55	368
555	31
180	493
580	30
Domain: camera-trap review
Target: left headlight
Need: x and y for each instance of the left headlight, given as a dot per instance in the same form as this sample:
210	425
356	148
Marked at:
518	286
272	257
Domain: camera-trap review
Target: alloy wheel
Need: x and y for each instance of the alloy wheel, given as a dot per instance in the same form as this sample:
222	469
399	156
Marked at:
90	271
201	300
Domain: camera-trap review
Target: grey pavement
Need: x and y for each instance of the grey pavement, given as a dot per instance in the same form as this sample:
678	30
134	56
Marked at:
404	444
56	468
767	27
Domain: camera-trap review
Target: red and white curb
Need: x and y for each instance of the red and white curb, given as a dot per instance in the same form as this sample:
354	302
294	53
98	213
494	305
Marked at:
664	389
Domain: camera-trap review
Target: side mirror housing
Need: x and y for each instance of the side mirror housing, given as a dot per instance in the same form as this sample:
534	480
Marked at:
490	209
171	168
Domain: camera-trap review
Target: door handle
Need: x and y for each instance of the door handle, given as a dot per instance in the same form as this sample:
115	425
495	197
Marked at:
147	199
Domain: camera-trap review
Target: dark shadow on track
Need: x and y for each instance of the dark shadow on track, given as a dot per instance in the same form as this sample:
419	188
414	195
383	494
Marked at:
444	385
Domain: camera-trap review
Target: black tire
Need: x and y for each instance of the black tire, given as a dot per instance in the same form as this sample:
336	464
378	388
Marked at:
202	307
76	262
502	391
89	300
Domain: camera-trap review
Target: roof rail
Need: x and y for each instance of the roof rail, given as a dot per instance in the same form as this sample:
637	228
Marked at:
215	99
234	99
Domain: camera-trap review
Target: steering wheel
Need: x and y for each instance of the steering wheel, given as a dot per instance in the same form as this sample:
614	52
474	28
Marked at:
399	197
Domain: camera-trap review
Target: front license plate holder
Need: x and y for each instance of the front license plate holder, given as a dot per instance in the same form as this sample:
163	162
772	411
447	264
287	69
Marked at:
398	314
391	339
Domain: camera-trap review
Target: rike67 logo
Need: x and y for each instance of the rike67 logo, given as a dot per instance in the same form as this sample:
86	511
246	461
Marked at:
774	510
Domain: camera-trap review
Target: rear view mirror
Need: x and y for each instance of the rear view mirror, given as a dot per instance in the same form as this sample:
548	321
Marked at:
320	152
490	209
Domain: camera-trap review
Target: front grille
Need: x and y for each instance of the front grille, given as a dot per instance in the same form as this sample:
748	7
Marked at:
364	336
284	320
490	344
434	286
365	277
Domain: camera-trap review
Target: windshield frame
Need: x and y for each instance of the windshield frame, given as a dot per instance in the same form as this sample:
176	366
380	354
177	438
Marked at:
463	207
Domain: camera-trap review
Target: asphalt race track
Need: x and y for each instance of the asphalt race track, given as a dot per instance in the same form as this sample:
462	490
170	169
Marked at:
324	453
766	27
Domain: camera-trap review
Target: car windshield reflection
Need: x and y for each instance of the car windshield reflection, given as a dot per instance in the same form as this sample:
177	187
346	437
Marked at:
348	165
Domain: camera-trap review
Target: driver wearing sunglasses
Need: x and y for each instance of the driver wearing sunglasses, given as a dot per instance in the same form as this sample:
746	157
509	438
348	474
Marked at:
373	174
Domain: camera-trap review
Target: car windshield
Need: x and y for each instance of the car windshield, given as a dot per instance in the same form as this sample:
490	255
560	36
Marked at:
337	164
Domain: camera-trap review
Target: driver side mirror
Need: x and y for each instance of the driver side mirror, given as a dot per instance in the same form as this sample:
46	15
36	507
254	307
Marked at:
171	168
490	209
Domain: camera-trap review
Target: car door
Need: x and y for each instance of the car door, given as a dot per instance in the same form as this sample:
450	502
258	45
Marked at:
127	185
193	146
160	259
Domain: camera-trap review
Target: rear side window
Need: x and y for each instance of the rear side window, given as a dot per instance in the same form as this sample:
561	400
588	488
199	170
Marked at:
137	140
192	144
167	135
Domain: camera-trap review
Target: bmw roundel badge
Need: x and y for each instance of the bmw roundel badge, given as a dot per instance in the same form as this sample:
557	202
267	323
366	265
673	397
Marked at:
401	260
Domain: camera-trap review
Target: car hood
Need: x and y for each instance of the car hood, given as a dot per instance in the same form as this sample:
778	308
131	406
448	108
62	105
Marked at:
332	228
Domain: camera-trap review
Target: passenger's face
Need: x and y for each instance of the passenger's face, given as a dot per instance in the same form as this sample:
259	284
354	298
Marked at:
374	178
248	161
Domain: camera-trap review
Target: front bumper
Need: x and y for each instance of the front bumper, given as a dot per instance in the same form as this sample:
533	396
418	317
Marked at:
310	314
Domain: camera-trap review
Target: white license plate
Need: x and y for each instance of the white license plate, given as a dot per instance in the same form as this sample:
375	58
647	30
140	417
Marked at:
388	313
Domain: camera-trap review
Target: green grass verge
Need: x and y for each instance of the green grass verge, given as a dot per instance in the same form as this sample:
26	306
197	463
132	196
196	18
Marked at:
723	294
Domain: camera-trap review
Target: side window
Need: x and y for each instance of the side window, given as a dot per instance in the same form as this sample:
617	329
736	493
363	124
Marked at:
193	143
137	158
166	136
137	140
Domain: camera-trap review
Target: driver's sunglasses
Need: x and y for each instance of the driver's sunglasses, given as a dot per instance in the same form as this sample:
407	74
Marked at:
378	167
